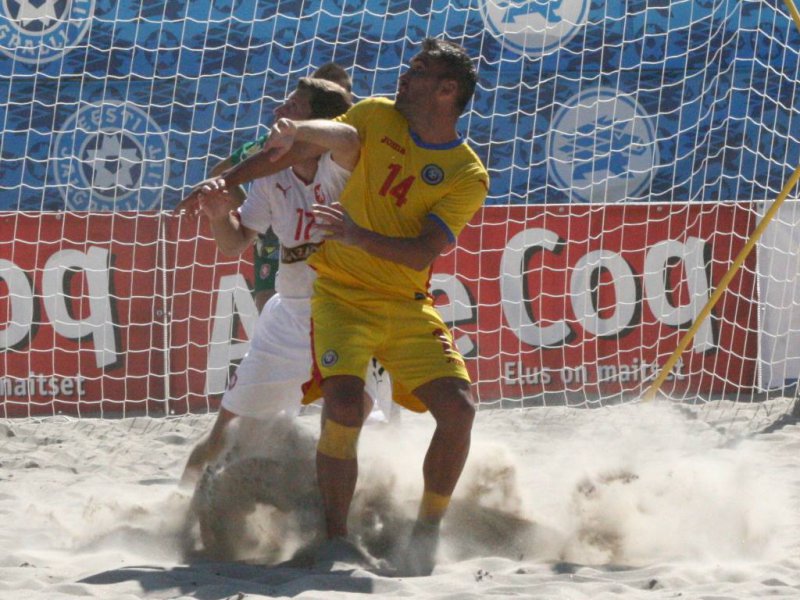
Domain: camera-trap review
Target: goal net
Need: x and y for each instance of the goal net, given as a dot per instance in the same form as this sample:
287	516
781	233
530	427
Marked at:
632	148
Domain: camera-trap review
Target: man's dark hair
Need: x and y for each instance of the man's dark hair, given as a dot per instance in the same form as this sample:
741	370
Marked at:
334	72
455	64
327	99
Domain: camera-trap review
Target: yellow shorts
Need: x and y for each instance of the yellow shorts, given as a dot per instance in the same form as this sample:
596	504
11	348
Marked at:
349	326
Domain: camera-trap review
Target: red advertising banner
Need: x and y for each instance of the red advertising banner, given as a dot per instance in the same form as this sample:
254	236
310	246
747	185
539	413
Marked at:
113	313
126	313
593	299
212	314
81	328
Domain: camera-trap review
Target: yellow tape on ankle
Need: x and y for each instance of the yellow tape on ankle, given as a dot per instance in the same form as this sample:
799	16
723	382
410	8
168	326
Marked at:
338	441
433	506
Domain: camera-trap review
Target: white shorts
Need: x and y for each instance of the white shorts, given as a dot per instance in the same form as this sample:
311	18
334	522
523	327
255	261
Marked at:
268	380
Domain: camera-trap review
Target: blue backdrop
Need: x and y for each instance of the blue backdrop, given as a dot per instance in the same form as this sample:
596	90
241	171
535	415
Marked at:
117	106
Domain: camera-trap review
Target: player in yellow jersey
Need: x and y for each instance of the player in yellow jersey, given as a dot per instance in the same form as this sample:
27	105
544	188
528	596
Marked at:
415	185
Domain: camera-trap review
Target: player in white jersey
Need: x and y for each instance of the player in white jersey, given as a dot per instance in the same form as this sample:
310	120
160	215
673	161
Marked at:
266	257
268	380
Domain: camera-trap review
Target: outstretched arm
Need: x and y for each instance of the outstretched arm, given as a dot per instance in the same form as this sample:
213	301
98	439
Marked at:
415	252
258	165
340	139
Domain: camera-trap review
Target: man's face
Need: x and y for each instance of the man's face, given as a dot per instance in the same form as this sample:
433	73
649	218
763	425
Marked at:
296	107
417	86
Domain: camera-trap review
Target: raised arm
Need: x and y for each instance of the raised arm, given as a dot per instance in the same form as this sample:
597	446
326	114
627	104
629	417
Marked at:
255	166
340	139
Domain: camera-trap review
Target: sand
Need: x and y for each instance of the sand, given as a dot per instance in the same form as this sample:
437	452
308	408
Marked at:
634	501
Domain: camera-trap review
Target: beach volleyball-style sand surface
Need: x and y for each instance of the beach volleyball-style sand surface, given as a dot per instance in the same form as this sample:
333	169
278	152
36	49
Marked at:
634	501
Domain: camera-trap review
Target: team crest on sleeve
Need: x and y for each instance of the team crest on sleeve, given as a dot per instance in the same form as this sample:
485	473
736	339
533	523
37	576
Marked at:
39	31
432	174
110	157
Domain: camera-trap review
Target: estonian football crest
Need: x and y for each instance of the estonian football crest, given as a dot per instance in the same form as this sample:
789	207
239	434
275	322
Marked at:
110	157
602	147
534	27
39	31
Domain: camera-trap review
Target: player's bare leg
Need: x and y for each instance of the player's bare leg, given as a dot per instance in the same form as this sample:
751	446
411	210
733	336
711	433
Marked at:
343	414
451	403
207	449
261	298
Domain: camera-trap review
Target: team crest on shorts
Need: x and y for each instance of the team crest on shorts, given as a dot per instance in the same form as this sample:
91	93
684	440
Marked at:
432	174
110	157
40	31
330	358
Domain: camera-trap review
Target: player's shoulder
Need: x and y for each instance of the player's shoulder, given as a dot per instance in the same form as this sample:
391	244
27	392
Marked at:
467	168
371	108
378	102
264	186
476	165
465	159
374	103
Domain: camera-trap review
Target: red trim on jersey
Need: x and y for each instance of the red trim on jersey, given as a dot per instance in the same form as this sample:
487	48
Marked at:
428	283
316	374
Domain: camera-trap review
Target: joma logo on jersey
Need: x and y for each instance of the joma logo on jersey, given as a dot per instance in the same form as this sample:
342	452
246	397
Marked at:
534	27
110	157
602	147
39	31
393	145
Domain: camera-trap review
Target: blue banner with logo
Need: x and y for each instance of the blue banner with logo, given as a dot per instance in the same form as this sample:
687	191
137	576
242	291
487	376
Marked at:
125	105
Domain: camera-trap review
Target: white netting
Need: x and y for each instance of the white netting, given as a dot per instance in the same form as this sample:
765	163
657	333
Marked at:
631	149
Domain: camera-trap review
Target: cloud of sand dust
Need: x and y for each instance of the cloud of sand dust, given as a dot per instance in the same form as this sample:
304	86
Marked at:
385	505
642	484
633	486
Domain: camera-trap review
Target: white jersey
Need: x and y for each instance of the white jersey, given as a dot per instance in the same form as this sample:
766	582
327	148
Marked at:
270	376
283	201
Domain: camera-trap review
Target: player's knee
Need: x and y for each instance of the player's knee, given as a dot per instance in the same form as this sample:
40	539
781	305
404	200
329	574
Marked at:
344	399
450	402
461	409
461	418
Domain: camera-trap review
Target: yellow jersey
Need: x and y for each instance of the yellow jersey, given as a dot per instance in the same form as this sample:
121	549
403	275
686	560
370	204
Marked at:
399	183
